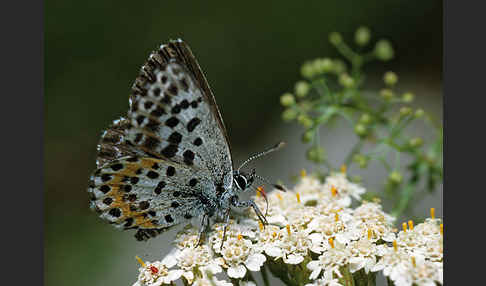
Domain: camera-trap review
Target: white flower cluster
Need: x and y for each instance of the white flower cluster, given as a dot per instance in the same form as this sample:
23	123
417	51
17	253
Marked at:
313	229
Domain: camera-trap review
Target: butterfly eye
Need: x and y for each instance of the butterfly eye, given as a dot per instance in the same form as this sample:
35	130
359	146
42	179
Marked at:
240	181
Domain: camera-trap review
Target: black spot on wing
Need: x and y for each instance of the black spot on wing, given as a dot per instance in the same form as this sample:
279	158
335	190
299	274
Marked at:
198	141
170	171
193	124
169	151
175	138
172	122
188	157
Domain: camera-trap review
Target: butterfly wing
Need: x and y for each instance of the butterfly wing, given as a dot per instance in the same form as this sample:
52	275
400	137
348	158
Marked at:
147	193
162	164
173	114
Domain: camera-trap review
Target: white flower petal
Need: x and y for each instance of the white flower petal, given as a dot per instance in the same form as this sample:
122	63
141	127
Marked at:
316	238
171	259
315	273
313	265
213	268
274	251
174	275
255	261
238	271
294	259
189	276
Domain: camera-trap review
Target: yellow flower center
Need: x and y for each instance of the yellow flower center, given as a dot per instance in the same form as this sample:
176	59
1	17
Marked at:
333	191
410	224
404	225
432	213
395	246
343	169
441	229
288	229
303	173
298	197
331	242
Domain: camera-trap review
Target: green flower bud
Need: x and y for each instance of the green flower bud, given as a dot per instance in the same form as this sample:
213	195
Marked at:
339	66
408	97
404	111
365	119
362	36
325	65
419	113
361	160
390	78
360	129
305	120
308	136
415	142
345	80
289	114
316	154
307	70
287	99
395	177
387	94
335	38
384	50
302	88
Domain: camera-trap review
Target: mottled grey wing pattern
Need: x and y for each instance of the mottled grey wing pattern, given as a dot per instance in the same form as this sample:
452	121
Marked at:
158	166
174	114
147	193
113	143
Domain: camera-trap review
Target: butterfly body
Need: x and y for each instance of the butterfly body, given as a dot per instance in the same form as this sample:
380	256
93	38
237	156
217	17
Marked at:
169	160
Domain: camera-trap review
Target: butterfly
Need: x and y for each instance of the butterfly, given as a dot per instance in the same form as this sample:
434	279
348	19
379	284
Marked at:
169	159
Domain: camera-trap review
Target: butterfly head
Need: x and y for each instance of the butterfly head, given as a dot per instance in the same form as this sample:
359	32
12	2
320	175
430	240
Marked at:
243	180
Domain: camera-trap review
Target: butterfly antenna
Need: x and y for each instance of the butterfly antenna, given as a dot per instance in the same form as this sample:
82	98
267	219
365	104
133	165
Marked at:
276	186
270	150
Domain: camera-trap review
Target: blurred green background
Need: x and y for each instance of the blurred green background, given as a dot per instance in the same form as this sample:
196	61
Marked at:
251	52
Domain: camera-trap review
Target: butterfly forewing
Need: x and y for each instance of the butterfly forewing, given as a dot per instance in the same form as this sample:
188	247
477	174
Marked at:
172	117
113	143
168	160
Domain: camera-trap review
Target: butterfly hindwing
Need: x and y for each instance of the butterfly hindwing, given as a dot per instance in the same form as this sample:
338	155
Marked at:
172	117
147	193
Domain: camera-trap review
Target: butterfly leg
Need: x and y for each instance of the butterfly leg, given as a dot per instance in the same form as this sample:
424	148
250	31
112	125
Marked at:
226	219
204	226
249	203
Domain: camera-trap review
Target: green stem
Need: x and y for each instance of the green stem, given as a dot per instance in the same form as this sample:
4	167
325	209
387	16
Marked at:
264	273
355	59
356	148
347	278
372	279
405	197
